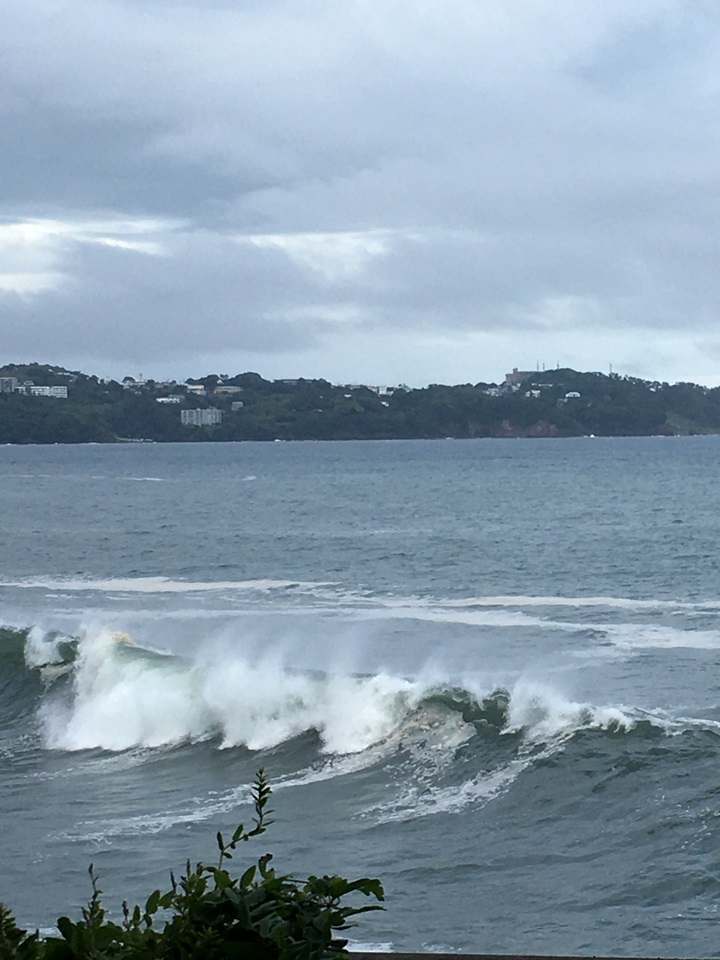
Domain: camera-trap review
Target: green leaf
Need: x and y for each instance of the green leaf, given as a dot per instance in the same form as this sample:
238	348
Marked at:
152	902
66	927
166	900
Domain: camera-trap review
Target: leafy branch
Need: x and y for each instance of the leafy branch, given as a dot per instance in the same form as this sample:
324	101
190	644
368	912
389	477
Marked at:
209	913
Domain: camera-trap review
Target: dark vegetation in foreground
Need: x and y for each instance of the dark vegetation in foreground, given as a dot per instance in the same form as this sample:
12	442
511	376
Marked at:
209	914
556	403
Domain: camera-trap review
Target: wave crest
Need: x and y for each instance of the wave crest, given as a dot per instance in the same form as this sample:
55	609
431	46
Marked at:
124	696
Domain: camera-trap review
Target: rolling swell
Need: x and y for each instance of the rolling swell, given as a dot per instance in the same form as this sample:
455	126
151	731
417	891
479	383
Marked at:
12	647
20	688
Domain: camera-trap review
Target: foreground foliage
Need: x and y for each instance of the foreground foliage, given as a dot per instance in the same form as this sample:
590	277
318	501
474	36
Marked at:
209	914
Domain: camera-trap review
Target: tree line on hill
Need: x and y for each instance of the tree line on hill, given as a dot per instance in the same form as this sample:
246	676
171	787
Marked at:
557	403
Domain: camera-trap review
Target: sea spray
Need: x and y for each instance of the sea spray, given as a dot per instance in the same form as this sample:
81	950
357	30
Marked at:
263	705
123	697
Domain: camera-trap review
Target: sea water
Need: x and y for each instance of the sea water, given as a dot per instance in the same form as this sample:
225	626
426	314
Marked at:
485	672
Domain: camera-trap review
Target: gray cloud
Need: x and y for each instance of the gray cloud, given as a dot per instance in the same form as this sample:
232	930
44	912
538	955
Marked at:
405	192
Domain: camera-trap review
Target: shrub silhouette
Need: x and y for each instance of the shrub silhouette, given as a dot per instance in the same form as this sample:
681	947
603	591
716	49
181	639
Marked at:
209	913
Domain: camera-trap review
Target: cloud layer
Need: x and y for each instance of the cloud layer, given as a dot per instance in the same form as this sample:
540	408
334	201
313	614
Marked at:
412	191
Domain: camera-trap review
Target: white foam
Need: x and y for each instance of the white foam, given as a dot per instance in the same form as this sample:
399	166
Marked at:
41	649
197	812
418	801
153	585
361	946
630	636
474	618
618	603
121	703
543	714
126	697
148	479
263	706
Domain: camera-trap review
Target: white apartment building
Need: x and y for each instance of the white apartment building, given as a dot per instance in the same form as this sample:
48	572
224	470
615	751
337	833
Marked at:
57	392
201	418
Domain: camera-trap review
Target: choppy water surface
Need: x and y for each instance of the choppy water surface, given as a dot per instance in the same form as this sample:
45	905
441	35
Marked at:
484	671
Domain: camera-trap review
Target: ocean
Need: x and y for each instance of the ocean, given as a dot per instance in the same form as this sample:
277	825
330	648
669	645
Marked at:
485	672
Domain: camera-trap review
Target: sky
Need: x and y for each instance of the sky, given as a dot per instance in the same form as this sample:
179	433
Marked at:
369	191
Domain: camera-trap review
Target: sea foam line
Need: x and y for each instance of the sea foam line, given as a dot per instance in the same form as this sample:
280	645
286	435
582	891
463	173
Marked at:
155	585
619	603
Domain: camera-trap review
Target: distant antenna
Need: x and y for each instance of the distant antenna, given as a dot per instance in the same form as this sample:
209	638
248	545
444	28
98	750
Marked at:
610	369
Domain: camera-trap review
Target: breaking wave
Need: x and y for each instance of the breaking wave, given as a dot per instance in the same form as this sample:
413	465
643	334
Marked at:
102	691
443	746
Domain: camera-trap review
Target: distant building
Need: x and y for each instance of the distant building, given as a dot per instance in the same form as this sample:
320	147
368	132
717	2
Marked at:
200	417
8	384
174	398
236	405
197	388
228	389
516	378
42	391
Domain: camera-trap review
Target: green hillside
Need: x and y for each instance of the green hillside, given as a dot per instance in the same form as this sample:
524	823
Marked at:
557	403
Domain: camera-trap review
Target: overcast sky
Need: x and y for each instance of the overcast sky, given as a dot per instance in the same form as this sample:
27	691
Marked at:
374	191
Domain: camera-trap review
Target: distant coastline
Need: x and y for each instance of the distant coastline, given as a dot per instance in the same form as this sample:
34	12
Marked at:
41	403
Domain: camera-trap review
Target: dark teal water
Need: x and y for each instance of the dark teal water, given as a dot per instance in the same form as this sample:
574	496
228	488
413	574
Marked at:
484	671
